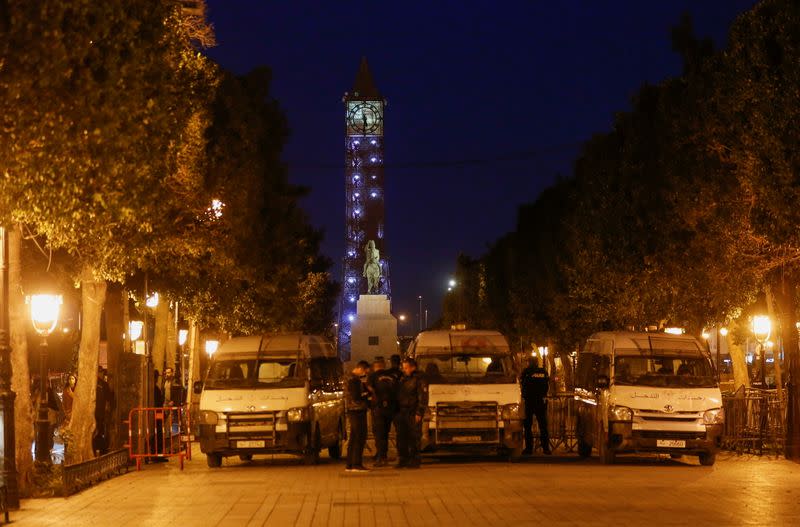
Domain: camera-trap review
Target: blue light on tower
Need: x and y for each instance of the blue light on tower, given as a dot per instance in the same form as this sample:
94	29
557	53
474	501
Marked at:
364	111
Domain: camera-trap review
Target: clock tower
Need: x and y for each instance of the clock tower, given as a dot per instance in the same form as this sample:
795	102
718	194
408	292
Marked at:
364	199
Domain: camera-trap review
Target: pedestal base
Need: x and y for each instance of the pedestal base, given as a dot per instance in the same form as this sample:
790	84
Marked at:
374	330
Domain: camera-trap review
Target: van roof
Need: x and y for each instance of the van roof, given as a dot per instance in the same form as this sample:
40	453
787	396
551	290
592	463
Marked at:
472	339
646	340
279	344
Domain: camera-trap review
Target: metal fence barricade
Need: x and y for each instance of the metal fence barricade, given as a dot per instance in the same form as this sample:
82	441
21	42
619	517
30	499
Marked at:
755	421
159	433
560	423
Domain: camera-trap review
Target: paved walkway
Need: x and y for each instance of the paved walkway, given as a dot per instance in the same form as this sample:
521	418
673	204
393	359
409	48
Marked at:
454	491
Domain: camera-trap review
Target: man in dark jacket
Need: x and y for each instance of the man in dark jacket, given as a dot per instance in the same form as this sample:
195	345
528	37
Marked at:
383	383
357	404
534	383
412	401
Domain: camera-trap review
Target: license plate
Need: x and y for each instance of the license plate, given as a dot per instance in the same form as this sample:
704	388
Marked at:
671	443
467	439
250	444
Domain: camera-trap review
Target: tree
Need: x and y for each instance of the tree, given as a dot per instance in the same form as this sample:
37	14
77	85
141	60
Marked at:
106	98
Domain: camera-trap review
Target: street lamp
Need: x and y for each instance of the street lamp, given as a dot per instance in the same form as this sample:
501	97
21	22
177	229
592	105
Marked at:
135	332
211	347
762	328
44	315
419	314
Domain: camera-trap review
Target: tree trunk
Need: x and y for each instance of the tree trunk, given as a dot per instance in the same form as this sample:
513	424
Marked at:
192	343
82	424
160	335
786	302
172	341
115	337
741	376
776	350
21	377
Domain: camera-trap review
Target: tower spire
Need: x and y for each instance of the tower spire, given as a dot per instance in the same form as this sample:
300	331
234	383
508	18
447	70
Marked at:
364	86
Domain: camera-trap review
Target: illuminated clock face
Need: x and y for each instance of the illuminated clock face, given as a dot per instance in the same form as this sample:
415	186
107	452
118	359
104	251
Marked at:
364	118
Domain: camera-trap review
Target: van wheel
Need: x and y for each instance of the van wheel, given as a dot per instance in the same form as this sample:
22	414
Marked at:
707	459
607	453
311	455
584	448
515	455
214	460
246	457
335	450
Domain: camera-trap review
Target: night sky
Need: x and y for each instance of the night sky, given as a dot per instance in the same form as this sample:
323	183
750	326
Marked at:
488	103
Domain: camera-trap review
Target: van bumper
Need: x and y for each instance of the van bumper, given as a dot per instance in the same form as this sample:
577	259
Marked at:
624	439
294	440
506	434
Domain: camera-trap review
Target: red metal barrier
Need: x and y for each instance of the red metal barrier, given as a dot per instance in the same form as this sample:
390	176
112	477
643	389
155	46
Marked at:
158	433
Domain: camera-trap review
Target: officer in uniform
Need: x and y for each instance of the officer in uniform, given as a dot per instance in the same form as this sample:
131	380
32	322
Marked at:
534	383
412	401
357	403
383	384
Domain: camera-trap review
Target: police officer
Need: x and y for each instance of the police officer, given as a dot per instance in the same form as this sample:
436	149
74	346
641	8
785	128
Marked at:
357	404
383	384
412	400
534	383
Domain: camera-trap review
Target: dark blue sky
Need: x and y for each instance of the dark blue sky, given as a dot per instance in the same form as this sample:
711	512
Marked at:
514	86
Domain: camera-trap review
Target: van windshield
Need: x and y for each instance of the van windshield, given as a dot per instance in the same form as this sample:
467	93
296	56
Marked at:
467	368
265	372
679	370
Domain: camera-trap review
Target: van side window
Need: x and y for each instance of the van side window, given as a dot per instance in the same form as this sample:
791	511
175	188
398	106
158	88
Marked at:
604	366
586	371
326	373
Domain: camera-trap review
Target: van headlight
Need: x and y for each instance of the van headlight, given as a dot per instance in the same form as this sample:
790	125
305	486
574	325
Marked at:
208	417
510	411
294	415
620	413
715	416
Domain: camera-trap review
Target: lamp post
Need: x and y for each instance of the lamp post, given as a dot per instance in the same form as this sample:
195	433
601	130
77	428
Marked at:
44	315
8	470
419	315
762	327
721	334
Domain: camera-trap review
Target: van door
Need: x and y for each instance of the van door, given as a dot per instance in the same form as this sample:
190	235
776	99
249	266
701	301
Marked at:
327	397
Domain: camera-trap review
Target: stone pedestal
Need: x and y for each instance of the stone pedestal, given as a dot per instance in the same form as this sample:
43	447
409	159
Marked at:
374	330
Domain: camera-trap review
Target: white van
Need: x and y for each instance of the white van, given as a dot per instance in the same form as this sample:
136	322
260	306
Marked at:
272	394
647	392
474	394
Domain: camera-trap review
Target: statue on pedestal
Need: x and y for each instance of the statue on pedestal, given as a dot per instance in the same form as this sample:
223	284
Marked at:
372	267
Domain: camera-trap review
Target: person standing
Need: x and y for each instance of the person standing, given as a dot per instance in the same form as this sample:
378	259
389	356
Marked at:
383	383
68	396
357	404
412	401
534	383
102	400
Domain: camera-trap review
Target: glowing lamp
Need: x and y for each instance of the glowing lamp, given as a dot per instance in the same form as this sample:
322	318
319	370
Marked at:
351	317
451	283
674	331
135	329
706	335
183	334
723	332
402	318
762	327
44	312
211	347
152	301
